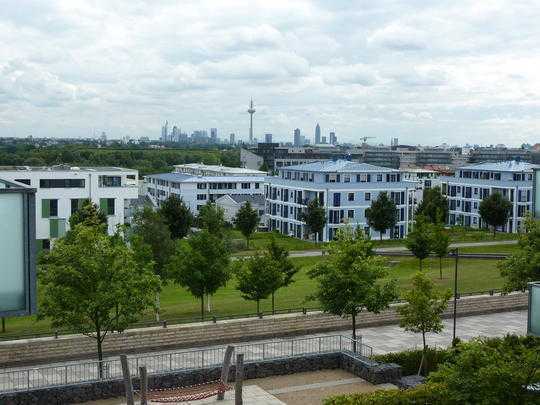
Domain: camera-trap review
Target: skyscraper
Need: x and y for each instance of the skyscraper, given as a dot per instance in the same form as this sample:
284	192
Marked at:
165	132
323	140
268	138
333	138
213	135
231	138
251	111
297	138
317	134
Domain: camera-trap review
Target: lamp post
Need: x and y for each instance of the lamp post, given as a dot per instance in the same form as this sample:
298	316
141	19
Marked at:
456	254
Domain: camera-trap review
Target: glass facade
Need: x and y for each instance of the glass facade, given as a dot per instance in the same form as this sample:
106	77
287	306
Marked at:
533	324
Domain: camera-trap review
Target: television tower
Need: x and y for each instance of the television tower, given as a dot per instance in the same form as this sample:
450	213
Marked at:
251	111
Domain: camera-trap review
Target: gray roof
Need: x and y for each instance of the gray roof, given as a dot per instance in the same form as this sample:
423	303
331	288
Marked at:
508	166
339	166
189	178
65	168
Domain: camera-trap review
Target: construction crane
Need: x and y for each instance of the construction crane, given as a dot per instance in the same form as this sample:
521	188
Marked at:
365	138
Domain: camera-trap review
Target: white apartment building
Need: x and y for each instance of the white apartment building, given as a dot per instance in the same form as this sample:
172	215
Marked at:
471	184
424	179
61	189
198	184
344	188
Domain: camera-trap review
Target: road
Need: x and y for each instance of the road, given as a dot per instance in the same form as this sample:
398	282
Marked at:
315	253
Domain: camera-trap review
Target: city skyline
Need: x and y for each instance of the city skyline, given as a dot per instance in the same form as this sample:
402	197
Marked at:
426	73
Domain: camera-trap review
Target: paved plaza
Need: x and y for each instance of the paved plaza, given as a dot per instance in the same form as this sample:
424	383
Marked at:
382	339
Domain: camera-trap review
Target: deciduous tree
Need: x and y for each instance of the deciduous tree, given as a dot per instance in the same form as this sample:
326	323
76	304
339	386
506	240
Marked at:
314	217
246	221
177	216
495	210
382	214
211	217
351	280
91	283
440	243
423	310
419	240
280	255
434	206
201	264
88	214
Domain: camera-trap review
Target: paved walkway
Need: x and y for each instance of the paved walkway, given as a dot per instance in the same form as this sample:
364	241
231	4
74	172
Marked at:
382	339
314	253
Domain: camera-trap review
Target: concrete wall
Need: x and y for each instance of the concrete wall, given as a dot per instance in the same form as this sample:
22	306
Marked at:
42	350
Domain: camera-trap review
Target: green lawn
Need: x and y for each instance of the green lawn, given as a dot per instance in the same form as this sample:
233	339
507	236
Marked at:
176	303
504	249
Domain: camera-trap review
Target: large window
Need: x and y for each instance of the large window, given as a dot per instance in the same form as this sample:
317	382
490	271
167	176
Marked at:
110	181
61	183
107	205
49	208
76	204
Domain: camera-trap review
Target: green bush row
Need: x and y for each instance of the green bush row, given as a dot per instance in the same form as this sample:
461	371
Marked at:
422	394
409	360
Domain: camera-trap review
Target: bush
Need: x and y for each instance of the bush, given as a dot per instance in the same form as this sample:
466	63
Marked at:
422	394
409	360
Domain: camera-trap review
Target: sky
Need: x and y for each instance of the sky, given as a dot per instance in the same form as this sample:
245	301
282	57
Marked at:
426	72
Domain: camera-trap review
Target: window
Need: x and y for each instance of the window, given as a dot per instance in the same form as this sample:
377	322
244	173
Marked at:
201	197
109	181
246	186
257	185
24	181
350	214
337	199
76	204
351	197
363	178
346	178
131	176
46	244
107	205
201	186
61	183
379	177
49	208
368	196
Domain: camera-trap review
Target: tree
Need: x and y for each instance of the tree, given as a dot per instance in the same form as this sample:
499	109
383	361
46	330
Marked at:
491	371
382	214
314	217
280	255
419	240
177	216
523	266
495	210
257	277
423	310
264	167
440	244
201	264
434	206
246	221
152	240
351	279
92	283
211	217
88	214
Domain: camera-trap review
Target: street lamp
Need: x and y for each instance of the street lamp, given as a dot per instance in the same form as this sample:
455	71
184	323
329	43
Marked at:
456	255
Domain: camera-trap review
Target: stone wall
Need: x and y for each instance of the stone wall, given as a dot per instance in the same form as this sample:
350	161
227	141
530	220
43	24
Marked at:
42	350
370	370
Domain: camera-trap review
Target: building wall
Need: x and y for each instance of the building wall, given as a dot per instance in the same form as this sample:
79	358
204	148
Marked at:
92	190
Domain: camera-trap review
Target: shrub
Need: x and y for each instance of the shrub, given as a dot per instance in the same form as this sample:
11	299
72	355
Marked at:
422	394
410	359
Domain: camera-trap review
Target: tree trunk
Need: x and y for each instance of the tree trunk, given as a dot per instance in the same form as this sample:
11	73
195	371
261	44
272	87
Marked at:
420	261
354	331
99	350
440	267
158	304
208	303
258	307
202	307
247	242
273	303
494	231
423	353
380	236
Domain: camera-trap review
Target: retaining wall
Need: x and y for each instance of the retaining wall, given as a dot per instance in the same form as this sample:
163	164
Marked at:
76	393
44	350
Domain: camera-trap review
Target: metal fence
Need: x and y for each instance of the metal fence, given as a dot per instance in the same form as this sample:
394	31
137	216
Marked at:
89	371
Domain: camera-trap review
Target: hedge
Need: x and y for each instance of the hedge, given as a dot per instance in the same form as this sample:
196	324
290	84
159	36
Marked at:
409	360
422	394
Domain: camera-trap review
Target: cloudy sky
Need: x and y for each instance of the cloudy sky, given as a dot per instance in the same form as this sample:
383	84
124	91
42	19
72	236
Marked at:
423	71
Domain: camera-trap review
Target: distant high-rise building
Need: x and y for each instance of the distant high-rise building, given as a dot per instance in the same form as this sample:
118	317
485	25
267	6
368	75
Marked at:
231	139
395	142
268	138
323	140
333	138
317	134
213	135
103	137
297	137
175	135
165	132
251	111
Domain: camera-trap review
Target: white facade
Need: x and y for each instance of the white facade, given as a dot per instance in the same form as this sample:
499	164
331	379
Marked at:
199	169
423	178
344	189
61	189
196	191
471	184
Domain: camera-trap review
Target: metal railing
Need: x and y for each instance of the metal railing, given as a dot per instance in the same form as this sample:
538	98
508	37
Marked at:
90	371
